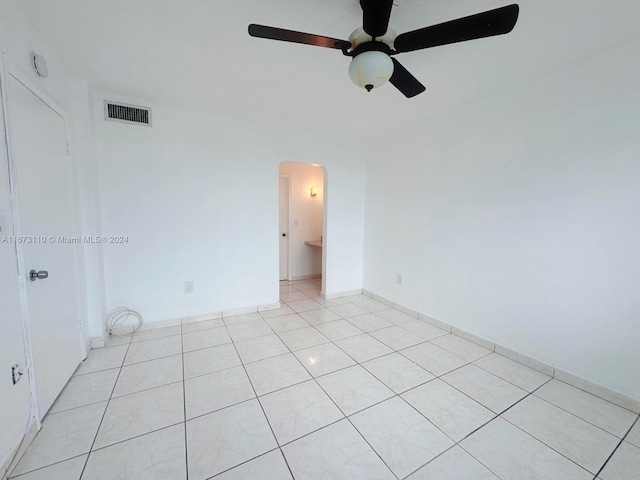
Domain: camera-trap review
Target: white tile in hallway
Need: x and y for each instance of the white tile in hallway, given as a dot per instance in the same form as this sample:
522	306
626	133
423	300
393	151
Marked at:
315	317
203	325
451	411
86	389
454	464
369	322
623	465
270	465
63	436
337	329
156	333
224	439
157	455
337	452
293	296
146	375
354	389
461	347
298	410
396	338
302	338
217	390
251	329
276	312
395	316
243	318
433	359
402	437
152	349
210	360
323	359
260	348
103	359
422	328
371	305
299	306
332	302
585	444
363	347
513	372
67	470
634	435
491	391
286	322
141	413
599	412
275	373
397	372
512	454
347	310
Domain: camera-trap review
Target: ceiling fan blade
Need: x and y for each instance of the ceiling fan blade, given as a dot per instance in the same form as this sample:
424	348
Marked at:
485	24
404	81
375	16
273	33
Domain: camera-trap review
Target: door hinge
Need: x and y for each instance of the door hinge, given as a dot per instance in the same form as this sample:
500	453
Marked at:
68	148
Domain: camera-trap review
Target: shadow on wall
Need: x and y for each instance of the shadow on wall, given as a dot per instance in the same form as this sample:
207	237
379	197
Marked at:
301	220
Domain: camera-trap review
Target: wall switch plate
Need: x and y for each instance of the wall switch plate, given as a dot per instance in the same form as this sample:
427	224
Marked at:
188	287
399	279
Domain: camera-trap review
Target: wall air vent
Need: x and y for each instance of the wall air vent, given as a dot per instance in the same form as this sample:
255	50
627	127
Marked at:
120	112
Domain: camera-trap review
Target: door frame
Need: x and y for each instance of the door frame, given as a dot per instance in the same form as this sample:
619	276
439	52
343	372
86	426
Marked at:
289	246
9	69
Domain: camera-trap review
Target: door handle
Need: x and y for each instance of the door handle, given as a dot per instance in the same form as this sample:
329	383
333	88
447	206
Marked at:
42	274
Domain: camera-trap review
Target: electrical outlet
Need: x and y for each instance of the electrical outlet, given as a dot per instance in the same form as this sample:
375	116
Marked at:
188	287
399	279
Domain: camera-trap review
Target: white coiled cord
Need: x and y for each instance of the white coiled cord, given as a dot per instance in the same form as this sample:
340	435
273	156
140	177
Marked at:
117	318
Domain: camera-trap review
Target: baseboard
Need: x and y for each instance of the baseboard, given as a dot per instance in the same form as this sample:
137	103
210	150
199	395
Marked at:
346	293
99	342
14	457
598	390
313	276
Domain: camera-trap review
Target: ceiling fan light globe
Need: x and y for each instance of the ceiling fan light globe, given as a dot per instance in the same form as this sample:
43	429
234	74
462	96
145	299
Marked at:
371	69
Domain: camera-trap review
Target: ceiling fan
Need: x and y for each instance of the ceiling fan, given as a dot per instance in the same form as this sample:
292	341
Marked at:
373	46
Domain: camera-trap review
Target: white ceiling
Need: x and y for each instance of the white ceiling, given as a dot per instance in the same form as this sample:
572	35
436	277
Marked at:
197	54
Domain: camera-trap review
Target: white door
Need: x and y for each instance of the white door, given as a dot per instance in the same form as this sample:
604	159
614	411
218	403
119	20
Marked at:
284	228
46	213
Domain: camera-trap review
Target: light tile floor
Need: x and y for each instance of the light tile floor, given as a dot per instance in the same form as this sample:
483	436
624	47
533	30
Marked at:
323	389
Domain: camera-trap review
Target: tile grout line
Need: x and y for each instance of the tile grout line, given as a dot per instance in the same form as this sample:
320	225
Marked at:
496	415
534	437
339	409
184	405
105	410
256	396
617	447
493	419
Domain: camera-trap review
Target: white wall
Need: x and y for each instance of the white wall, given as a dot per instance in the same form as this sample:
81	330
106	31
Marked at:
517	218
306	218
197	195
17	41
